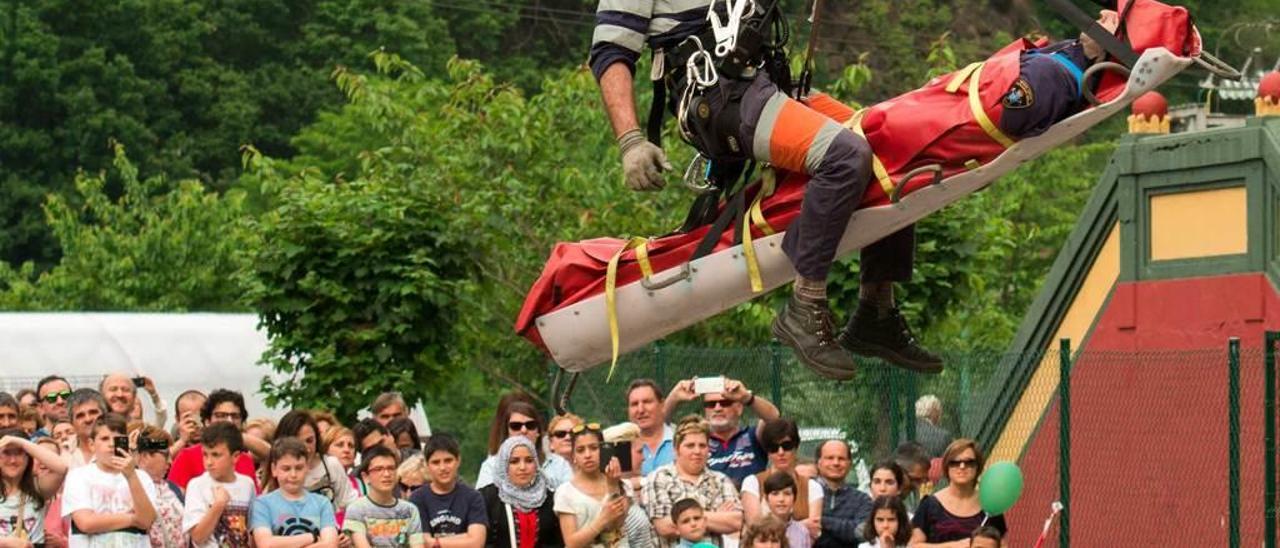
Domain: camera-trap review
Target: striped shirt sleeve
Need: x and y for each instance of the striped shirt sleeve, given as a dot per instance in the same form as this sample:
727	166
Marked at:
620	32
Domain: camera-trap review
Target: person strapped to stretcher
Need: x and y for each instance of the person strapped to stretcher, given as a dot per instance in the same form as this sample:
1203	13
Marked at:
733	103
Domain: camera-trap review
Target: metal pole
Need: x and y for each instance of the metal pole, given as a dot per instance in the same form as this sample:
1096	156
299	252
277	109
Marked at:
1269	437
1233	442
913	394
1064	442
659	365
895	411
775	364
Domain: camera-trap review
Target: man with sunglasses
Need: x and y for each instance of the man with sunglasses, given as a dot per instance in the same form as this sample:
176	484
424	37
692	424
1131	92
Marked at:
736	450
52	393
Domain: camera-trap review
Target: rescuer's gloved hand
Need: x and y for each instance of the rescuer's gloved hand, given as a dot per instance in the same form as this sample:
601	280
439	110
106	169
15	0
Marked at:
642	162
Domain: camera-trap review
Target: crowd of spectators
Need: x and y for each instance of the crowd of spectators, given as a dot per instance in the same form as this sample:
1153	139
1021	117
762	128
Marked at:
79	467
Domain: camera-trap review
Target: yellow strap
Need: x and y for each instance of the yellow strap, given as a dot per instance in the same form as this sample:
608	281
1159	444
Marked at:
980	113
964	74
769	181
972	164
610	286
756	216
877	166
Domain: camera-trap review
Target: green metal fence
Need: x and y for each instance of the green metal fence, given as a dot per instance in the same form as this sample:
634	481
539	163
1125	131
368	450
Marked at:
876	410
1157	443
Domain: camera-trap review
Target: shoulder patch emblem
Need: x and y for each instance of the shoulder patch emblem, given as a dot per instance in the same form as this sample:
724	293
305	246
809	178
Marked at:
1020	95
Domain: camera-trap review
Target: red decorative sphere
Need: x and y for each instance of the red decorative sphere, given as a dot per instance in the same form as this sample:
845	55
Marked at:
1270	86
1151	104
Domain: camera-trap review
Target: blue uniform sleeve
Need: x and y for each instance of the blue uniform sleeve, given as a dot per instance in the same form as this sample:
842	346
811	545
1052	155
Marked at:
620	32
1045	92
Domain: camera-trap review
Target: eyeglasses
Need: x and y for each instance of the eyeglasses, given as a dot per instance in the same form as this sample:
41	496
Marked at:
375	470
785	445
53	397
232	416
963	463
516	426
712	404
558	434
580	428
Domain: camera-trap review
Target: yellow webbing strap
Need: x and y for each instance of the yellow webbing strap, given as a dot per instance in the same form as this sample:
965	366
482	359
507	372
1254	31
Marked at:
610	286
756	216
882	174
980	113
964	74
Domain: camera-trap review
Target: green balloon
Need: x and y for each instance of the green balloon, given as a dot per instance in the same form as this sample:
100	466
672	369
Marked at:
999	487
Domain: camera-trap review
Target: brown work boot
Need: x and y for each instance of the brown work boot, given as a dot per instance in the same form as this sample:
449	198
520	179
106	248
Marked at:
884	334
808	329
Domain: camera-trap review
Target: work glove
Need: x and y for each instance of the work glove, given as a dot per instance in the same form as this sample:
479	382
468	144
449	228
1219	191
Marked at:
642	162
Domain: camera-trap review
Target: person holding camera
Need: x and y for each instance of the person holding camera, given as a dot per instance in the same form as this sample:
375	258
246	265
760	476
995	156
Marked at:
689	477
107	501
736	450
121	392
591	506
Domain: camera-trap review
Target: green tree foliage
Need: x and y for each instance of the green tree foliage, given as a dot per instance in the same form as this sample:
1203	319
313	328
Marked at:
159	246
182	84
356	284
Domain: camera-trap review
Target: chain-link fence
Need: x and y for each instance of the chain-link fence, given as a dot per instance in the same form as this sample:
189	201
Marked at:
1150	445
875	411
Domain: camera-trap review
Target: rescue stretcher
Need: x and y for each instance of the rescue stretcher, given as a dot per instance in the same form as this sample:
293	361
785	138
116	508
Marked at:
589	330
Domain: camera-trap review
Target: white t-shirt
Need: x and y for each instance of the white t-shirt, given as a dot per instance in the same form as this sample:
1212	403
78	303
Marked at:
570	500
233	526
89	488
329	480
18	512
752	485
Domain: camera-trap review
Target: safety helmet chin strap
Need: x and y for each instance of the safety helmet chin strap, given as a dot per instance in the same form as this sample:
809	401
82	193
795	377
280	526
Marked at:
1086	23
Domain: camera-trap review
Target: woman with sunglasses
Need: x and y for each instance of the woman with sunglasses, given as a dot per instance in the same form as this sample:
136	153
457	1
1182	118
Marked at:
325	475
558	432
946	518
522	419
519	502
781	439
591	506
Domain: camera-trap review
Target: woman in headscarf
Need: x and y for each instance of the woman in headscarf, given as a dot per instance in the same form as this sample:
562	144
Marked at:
519	502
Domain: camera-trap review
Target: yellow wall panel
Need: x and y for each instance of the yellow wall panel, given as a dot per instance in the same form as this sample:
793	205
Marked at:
1204	223
1082	312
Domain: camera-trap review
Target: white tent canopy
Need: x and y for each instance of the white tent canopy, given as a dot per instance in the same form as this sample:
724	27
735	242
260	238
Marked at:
200	351
178	351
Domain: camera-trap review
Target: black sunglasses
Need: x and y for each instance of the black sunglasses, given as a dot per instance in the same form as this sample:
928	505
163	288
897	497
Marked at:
516	426
561	434
788	445
711	404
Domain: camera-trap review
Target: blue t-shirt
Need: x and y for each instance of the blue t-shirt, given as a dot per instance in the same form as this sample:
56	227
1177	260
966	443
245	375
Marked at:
739	456
286	517
451	514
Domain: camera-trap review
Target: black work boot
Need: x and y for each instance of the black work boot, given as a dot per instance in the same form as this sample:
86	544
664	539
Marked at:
885	334
807	328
